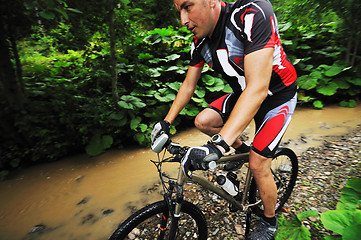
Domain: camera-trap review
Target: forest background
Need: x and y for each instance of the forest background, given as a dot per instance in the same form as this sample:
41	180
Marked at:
84	76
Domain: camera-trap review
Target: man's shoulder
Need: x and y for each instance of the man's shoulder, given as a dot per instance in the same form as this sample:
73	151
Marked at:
246	4
237	11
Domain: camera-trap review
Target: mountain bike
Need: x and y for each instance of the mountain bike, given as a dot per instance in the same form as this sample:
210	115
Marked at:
176	218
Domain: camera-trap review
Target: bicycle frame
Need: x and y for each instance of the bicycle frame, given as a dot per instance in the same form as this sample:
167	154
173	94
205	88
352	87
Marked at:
241	205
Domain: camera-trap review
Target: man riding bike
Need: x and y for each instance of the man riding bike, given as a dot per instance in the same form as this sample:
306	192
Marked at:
241	41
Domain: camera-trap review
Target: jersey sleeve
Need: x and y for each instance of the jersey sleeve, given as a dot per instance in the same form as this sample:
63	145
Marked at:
259	26
196	57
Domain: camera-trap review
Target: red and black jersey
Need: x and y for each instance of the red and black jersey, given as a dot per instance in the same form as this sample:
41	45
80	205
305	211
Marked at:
244	26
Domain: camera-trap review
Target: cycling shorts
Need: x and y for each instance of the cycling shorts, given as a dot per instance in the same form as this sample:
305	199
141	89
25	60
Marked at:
271	120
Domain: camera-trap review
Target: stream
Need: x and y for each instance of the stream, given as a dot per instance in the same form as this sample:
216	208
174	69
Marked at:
83	197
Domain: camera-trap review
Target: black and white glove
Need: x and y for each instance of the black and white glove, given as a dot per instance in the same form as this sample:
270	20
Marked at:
160	128
198	158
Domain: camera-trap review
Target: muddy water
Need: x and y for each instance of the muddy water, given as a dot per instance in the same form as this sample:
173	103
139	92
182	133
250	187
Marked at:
86	198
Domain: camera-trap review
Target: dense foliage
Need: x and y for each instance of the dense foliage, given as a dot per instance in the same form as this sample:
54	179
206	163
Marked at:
89	75
344	221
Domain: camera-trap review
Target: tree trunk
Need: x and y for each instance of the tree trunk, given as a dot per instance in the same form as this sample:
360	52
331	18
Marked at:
354	54
348	49
9	86
19	73
113	59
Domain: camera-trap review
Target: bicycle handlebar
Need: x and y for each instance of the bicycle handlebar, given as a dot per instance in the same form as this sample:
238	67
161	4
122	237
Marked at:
179	152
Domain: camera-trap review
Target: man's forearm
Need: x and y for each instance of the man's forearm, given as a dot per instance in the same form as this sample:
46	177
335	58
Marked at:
185	93
242	114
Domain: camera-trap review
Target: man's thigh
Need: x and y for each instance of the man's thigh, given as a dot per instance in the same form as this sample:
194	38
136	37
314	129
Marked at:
272	120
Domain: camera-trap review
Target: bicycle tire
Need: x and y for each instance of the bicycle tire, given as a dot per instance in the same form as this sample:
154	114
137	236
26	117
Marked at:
284	169
144	223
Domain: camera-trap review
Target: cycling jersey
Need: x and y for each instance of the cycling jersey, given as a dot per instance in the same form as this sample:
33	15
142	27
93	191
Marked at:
244	27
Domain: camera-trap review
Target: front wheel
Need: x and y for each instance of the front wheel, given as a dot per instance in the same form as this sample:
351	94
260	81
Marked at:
154	222
284	168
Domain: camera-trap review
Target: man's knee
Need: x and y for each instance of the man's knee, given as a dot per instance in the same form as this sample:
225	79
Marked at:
208	119
201	121
259	165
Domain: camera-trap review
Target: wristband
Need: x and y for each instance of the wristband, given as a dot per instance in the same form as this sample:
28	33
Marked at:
218	140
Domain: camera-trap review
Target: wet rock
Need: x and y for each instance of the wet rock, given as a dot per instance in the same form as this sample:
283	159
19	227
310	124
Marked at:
79	179
239	229
215	232
90	218
83	201
108	211
37	228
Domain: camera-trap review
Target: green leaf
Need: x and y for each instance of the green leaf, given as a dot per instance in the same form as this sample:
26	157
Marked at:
350	104
350	195
353	232
292	230
337	220
209	80
190	110
327	90
140	138
47	15
201	102
117	116
333	237
342	84
217	84
306	82
62	12
155	60
98	144
145	56
172	57
154	72
143	127
355	81
227	89
172	68
200	92
318	104
316	74
353	91
135	122
285	26
165	95
174	85
335	70
303	215
74	10
303	47
131	102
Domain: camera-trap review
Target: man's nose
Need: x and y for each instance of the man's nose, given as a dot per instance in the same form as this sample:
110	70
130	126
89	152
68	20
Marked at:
184	19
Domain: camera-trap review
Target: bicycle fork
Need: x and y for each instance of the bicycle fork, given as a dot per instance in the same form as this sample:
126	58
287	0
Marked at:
174	212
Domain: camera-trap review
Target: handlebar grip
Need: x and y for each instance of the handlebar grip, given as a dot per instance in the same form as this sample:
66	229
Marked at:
160	142
212	165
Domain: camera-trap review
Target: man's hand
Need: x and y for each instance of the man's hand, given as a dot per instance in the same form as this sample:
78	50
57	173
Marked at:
160	127
198	158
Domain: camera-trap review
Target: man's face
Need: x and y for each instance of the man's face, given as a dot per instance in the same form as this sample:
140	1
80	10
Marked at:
196	16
